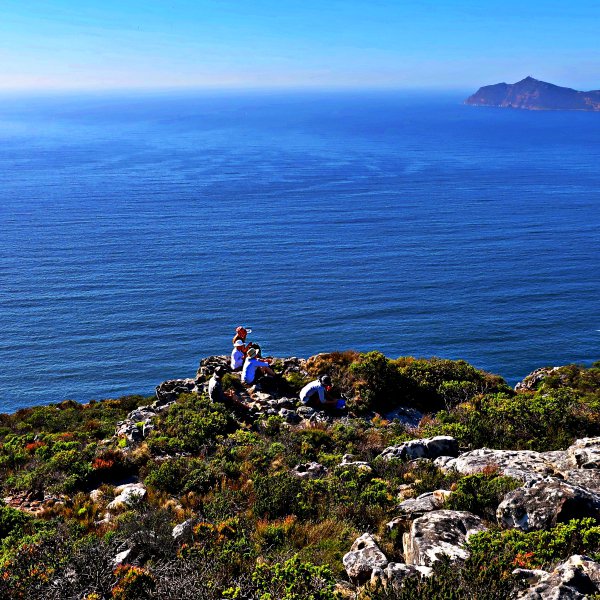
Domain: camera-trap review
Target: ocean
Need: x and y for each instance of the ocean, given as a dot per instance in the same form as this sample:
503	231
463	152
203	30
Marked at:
137	231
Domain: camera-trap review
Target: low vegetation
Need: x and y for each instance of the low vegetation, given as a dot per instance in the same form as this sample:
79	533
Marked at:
255	530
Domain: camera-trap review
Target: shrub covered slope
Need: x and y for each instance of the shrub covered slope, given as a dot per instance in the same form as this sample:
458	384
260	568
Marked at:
254	525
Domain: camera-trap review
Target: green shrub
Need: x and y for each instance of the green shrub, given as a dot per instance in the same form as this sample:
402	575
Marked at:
377	382
291	580
190	425
542	421
481	494
12	521
277	495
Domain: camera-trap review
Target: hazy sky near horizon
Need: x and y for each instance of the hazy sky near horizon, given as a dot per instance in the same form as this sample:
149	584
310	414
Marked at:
459	44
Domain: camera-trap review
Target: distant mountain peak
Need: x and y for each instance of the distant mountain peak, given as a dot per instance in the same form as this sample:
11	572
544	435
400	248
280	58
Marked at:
533	94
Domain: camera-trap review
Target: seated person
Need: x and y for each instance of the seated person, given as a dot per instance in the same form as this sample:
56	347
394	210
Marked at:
316	394
241	334
237	356
254	366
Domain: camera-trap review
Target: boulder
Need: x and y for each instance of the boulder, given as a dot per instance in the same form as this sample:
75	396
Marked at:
525	465
127	495
440	533
132	432
364	556
441	445
575	579
394	574
310	470
409	417
413	508
544	503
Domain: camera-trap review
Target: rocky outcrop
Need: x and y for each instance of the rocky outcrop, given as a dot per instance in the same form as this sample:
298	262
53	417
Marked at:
364	556
534	379
440	533
525	465
575	579
544	503
169	391
441	445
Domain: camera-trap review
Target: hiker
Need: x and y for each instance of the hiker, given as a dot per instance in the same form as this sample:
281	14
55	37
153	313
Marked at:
316	394
229	398
254	365
238	354
241	333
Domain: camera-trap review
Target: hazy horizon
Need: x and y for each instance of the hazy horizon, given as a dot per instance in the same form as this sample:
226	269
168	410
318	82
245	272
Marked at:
351	44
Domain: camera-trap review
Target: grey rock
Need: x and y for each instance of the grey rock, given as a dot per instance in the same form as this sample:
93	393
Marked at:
441	445
413	508
96	495
585	453
306	412
209	364
585	478
126	495
440	533
409	417
183	532
364	556
575	579
278	403
121	557
349	462
525	465
290	416
147	429
544	503
170	390
310	470
393	575
533	381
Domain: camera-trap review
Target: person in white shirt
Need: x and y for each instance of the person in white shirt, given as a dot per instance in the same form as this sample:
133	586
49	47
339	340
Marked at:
315	394
253	366
237	356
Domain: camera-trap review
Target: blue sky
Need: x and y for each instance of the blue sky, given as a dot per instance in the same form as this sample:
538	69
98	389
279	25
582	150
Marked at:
104	44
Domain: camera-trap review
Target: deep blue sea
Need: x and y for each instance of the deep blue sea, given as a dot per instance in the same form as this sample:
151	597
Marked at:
136	232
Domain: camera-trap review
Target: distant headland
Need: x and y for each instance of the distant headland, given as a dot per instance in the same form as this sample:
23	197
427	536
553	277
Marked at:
532	94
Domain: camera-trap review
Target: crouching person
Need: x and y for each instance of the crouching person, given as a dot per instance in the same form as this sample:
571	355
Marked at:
317	394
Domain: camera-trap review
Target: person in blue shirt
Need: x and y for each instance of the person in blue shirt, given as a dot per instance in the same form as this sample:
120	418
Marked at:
254	366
